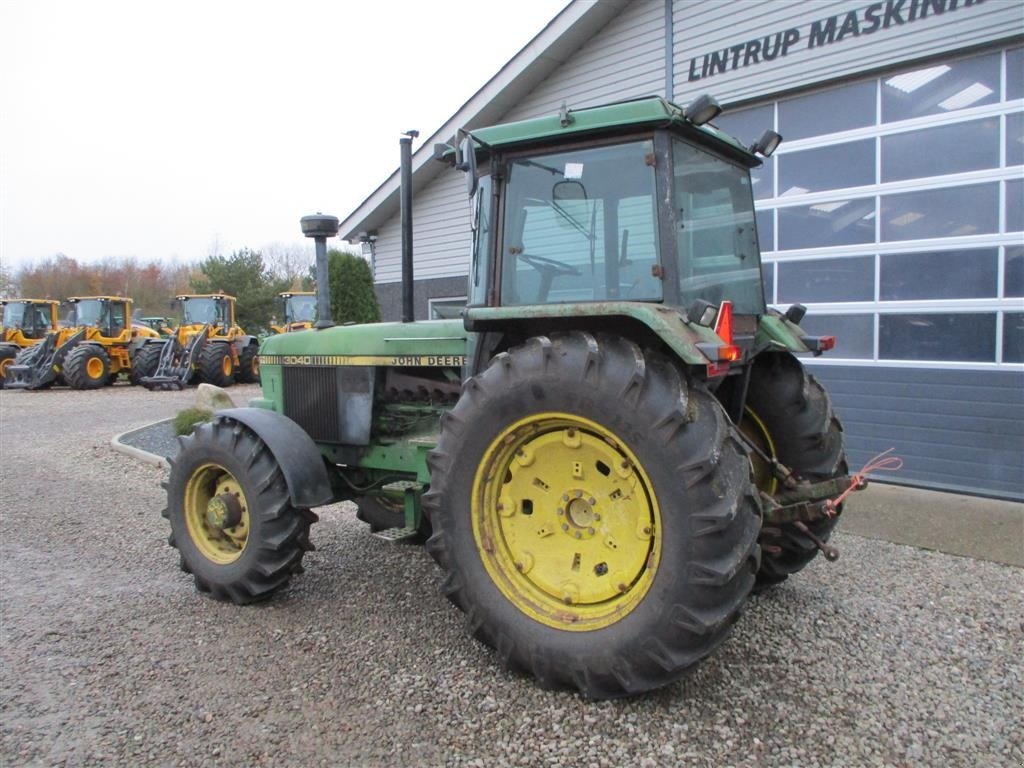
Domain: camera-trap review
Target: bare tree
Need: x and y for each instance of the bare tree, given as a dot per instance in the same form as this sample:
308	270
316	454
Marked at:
289	262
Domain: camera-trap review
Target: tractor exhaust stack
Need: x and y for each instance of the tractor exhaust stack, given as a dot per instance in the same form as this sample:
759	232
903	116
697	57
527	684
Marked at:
320	227
408	304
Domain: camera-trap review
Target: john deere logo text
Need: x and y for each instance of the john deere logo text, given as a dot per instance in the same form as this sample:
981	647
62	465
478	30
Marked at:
403	361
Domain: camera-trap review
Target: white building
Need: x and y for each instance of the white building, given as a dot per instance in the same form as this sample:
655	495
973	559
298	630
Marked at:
894	209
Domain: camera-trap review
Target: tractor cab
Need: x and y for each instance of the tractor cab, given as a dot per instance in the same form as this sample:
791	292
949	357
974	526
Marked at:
216	310
104	317
28	319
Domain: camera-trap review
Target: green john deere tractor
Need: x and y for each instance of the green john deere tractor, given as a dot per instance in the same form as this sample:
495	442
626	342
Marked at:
607	453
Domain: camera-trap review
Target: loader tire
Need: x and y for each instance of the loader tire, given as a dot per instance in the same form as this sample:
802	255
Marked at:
593	513
791	413
249	365
145	362
7	355
231	519
87	366
216	366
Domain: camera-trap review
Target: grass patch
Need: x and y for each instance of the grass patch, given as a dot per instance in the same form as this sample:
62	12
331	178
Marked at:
186	420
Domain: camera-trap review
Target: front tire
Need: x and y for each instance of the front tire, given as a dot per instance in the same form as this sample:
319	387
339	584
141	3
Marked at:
145	362
594	515
249	365
87	367
7	355
230	514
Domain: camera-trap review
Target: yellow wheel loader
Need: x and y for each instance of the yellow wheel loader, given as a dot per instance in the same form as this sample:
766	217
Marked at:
298	310
26	322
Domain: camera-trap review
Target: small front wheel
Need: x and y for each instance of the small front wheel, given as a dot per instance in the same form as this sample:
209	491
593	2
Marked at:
230	514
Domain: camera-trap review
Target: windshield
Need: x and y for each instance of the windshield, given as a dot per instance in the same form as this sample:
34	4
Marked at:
581	226
202	311
300	309
719	257
14	313
86	312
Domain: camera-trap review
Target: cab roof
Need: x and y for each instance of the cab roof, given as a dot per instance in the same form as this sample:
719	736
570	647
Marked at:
97	298
649	112
187	296
28	301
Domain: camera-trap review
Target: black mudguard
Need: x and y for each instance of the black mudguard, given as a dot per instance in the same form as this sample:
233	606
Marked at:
300	460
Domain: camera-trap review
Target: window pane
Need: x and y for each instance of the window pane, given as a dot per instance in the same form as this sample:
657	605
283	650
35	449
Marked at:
855	334
768	275
1015	74
964	274
965	337
1013	337
1014	206
748	124
824	280
579	226
956	148
1015	139
765	229
938	89
970	210
1013	277
842	165
716	233
840	109
844	222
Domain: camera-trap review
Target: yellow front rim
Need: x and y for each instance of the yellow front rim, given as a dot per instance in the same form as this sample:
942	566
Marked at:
756	432
216	514
4	365
226	366
566	521
94	368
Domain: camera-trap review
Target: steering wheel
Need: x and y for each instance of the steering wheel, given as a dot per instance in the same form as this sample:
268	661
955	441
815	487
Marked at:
553	266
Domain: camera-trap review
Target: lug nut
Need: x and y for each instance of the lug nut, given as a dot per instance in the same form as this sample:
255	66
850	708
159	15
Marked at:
601	569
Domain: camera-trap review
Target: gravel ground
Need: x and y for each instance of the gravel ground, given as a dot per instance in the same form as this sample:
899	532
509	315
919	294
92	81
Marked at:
892	656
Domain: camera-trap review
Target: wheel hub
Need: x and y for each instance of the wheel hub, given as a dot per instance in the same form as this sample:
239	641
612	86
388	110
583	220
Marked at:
580	515
224	511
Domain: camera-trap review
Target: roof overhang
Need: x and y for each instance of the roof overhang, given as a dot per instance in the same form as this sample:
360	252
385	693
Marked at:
551	48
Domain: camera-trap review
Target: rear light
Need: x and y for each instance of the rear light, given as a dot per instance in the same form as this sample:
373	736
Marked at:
723	325
818	344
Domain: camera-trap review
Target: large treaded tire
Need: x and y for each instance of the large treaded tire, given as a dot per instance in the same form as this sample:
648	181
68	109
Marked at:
808	438
249	365
8	353
699	475
278	533
145	362
214	364
87	366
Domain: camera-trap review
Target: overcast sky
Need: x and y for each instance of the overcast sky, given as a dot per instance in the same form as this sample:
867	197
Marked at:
161	130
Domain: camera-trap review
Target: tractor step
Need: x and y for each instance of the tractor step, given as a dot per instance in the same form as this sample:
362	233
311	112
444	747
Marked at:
395	534
401	486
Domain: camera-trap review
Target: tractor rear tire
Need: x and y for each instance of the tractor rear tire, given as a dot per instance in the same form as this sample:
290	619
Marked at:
7	355
794	416
593	513
249	365
216	366
145	362
231	518
87	366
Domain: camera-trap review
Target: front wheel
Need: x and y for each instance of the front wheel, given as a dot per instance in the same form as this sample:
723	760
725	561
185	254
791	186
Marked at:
231	519
594	514
249	365
7	355
87	367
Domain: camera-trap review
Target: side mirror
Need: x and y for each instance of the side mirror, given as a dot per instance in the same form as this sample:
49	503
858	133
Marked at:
568	190
467	163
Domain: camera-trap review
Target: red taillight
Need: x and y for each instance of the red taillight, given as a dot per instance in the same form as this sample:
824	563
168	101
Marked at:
826	343
729	352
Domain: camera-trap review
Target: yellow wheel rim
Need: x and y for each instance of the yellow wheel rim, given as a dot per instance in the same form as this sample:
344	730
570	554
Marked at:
255	365
216	514
756	432
566	522
94	368
4	365
226	365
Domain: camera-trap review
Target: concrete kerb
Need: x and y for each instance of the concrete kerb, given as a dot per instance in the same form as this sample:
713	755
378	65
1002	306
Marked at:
137	453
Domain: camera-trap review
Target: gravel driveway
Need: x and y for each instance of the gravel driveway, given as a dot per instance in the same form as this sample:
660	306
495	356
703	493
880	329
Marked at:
892	656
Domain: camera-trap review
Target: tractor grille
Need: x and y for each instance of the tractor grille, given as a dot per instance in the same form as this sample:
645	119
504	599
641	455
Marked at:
333	404
311	400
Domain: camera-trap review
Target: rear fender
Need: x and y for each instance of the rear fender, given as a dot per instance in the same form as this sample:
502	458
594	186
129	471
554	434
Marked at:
301	462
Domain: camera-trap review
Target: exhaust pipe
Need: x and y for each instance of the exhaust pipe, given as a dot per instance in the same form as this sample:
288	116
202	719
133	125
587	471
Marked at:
320	227
408	305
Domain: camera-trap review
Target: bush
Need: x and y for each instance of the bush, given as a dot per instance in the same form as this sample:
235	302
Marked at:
353	299
186	420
